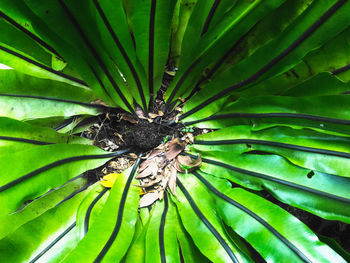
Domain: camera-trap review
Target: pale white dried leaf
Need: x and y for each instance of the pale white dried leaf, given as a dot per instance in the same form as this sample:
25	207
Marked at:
160	195
148	199
172	180
151	169
153	115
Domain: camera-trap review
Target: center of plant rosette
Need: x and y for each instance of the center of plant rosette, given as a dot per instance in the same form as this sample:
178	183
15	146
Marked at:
162	144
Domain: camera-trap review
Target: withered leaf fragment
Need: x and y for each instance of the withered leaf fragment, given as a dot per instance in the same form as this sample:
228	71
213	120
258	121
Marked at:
172	180
175	148
186	163
151	169
129	118
148	199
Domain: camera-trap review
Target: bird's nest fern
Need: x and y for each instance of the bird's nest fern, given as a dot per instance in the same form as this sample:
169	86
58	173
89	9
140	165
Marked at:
168	131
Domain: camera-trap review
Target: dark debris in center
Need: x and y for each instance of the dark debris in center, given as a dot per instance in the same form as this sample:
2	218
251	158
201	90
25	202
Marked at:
117	131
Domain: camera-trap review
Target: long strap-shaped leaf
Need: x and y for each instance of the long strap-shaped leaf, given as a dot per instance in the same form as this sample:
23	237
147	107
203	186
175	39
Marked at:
325	114
160	240
117	226
218	43
31	179
151	24
16	135
39	206
43	24
13	58
190	251
94	52
332	57
196	106
47	230
111	234
89	210
53	243
27	107
314	252
30	34
14	82
324	193
230	255
306	148
125	52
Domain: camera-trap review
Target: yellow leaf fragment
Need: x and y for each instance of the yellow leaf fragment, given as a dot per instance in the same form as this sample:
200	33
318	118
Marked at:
109	179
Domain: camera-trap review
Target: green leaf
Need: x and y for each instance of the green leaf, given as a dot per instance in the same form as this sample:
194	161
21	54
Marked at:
266	226
111	235
136	252
206	229
319	23
322	113
161	242
214	45
150	23
29	174
37	238
322	194
190	252
302	147
17	135
37	207
14	82
24	43
27	107
90	208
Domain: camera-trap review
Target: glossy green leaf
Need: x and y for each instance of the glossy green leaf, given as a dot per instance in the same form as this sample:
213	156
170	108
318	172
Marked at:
90	208
23	107
303	147
150	23
214	45
37	207
36	239
190	252
322	194
323	113
16	135
28	174
204	226
16	38
136	252
14	82
161	242
260	223
320	22
111	235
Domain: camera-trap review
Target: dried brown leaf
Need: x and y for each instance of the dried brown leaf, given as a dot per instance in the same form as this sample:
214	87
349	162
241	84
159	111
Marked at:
151	169
149	160
99	102
139	112
129	118
187	162
175	147
151	183
172	180
153	115
148	199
